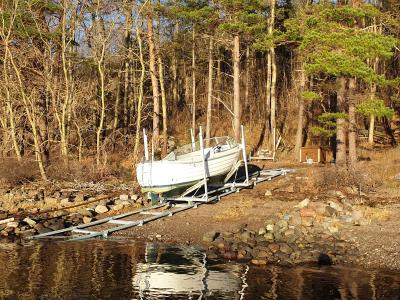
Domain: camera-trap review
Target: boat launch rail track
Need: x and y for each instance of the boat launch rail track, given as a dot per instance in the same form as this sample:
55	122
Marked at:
166	208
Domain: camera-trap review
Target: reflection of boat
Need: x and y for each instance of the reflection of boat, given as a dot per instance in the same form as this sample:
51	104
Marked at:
184	271
185	167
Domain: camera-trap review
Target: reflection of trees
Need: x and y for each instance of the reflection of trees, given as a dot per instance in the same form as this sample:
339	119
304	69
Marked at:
10	262
98	269
303	282
67	270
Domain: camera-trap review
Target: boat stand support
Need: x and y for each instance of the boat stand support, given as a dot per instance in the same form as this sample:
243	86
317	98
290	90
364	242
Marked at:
226	188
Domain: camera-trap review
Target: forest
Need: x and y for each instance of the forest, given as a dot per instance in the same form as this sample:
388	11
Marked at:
81	79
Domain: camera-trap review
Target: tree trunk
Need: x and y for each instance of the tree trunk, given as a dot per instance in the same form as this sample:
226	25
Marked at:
162	86
175	95
341	126
80	138
154	84
210	90
268	104
13	131
65	105
193	81
247	83
300	116
371	129
125	99
352	126
273	69
340	142
219	81
10	109
163	104
236	87
127	66
116	103
100	68
141	91
273	90
186	83
100	62
30	113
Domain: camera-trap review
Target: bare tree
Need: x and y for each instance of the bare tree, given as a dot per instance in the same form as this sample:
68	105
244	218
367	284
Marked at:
236	87
141	82
154	82
210	89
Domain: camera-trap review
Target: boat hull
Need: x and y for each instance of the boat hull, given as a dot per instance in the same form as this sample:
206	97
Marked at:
167	175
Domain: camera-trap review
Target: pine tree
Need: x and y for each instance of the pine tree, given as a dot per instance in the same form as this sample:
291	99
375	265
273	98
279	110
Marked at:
374	108
334	44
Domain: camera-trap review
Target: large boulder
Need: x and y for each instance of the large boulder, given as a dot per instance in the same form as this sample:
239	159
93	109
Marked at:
101	209
303	203
124	197
134	197
87	220
85	212
29	221
53	202
118	207
80	197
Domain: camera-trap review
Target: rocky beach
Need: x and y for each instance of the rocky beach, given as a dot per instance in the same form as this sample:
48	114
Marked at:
33	209
291	220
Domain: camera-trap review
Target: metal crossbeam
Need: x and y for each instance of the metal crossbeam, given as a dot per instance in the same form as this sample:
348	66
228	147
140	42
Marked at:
123	224
98	222
155	213
119	222
83	231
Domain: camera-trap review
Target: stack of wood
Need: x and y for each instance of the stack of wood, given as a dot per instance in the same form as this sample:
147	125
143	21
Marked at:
380	136
395	125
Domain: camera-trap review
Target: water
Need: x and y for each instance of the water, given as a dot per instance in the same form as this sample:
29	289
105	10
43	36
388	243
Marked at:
130	270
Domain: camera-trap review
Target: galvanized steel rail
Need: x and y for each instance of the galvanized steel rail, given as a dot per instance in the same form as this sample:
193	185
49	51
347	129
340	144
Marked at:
214	193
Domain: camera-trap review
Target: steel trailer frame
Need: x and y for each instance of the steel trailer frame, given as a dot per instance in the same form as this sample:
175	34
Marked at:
211	193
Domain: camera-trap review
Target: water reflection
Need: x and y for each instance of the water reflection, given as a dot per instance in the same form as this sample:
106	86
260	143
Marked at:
129	270
185	271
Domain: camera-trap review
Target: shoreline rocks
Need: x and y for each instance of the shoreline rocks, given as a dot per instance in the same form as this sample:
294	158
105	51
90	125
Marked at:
33	222
309	232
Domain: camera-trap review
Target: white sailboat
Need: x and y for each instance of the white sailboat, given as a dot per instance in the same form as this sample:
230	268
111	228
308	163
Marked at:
186	166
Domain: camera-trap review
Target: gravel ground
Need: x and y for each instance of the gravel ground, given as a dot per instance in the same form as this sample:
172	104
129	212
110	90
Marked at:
379	242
